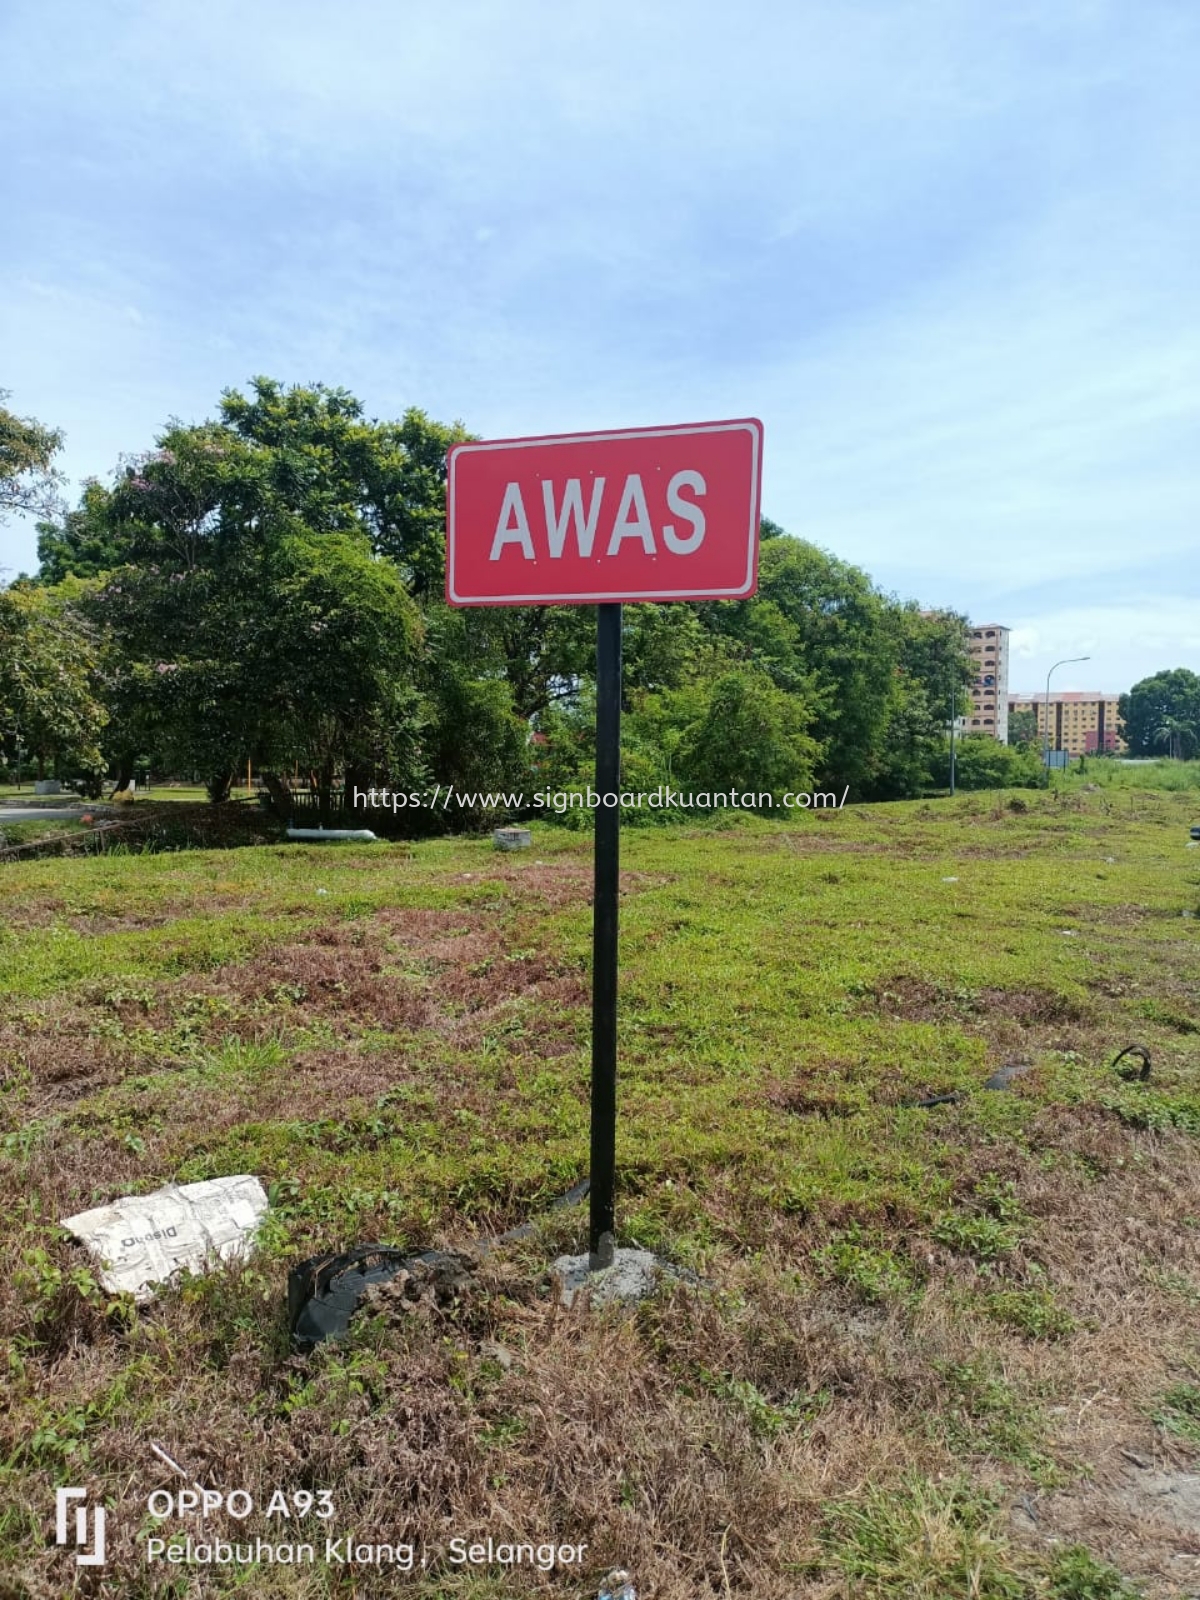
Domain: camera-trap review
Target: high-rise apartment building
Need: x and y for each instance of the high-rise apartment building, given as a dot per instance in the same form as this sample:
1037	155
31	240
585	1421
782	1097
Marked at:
988	644
1082	721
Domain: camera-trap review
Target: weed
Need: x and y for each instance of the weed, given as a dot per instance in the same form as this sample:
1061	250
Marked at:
766	1418
1178	1412
1168	1016
873	1271
1144	1107
60	1300
1075	1574
922	1539
983	1237
1033	1312
1176	1283
502	1432
985	1416
988	1227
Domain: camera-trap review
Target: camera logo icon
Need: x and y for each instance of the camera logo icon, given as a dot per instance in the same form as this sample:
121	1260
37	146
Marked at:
87	1535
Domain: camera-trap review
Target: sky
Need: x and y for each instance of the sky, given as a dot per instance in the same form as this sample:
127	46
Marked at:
947	251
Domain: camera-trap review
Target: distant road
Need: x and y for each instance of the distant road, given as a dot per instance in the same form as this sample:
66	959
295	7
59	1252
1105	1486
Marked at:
41	813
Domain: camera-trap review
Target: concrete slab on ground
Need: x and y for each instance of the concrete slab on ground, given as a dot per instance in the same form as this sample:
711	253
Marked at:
633	1275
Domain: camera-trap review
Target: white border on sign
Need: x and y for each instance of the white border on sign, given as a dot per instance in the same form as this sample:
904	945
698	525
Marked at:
751	425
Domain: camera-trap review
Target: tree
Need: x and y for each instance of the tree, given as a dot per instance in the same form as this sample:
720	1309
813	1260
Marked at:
547	654
474	742
752	736
28	480
251	618
331	656
819	625
543	653
260	571
932	672
1177	737
1169	700
49	668
291	649
1023	729
83	543
336	470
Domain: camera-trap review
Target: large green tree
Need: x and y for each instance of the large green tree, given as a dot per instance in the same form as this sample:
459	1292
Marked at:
1162	713
50	706
251	617
337	470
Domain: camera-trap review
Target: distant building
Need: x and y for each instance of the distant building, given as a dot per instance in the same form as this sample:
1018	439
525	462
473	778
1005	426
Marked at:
988	644
1082	722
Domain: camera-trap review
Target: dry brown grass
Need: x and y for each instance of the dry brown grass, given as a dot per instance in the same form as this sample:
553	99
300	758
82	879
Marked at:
656	1437
999	1291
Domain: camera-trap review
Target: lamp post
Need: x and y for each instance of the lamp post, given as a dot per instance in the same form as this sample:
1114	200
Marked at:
1066	662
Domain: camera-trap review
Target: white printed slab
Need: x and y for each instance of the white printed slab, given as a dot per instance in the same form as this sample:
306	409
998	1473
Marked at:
142	1239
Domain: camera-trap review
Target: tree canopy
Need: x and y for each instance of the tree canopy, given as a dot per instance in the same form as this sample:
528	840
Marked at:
266	586
1161	714
50	688
29	481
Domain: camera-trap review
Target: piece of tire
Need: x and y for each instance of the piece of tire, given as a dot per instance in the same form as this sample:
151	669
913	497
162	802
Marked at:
325	1291
1140	1053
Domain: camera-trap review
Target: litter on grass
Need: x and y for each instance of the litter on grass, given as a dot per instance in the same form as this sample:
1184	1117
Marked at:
325	1291
511	838
618	1585
141	1240
333	835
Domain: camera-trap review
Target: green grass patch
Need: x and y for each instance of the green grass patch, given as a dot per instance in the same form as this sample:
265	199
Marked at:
396	1042
1178	1412
1033	1312
926	1540
1076	1574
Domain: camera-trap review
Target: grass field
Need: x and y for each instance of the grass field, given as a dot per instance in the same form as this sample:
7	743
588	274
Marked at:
937	1353
1171	776
157	792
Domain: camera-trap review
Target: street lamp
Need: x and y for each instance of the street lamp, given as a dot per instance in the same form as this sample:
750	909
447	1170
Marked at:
1064	663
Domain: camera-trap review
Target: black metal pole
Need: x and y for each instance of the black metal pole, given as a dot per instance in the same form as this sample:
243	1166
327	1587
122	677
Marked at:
602	1226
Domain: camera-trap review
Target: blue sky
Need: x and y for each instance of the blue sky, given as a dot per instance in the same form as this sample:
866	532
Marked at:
948	251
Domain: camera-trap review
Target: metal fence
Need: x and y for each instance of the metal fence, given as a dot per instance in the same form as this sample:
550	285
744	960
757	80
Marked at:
306	807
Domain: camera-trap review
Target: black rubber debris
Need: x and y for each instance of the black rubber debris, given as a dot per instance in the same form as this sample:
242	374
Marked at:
1137	1052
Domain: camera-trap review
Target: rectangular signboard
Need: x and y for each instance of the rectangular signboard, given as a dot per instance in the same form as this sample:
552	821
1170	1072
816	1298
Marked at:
666	513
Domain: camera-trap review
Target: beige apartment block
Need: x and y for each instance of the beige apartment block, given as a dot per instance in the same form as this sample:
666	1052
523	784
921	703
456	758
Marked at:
988	644
1083	722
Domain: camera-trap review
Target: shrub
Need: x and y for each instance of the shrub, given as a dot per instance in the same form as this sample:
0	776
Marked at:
984	763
